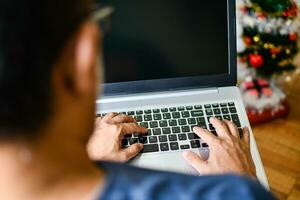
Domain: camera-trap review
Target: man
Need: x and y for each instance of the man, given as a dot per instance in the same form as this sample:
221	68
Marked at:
49	67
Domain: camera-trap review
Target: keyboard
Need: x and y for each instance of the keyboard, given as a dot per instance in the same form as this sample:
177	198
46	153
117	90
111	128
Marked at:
171	128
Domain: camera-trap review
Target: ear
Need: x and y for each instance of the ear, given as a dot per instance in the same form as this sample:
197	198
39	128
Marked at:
86	60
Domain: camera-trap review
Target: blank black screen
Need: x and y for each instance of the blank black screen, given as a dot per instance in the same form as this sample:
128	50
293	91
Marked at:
161	39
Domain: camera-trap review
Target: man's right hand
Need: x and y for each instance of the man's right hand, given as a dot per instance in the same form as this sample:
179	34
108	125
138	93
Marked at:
228	153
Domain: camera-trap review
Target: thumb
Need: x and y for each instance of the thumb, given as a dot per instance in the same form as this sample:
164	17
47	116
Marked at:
132	151
195	161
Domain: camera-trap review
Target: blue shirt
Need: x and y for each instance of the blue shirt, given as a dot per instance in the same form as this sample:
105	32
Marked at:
125	182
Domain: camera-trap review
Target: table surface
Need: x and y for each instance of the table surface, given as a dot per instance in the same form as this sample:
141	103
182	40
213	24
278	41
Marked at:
279	146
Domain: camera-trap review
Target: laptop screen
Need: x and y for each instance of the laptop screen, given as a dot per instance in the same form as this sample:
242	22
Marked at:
163	39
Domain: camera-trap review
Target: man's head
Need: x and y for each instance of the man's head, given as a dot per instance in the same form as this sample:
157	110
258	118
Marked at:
48	66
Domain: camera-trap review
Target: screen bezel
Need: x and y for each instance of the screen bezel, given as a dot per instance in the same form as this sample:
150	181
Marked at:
204	81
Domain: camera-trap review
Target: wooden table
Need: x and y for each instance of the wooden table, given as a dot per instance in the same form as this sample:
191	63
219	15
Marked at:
279	146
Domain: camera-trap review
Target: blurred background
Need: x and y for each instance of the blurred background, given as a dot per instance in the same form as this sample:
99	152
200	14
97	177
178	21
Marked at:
269	75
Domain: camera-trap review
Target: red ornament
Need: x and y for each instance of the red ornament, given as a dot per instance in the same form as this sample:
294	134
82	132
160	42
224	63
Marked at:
291	11
256	60
275	51
293	37
248	40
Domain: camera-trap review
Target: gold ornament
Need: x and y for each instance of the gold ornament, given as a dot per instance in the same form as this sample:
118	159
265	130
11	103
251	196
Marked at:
288	51
256	38
266	45
274	56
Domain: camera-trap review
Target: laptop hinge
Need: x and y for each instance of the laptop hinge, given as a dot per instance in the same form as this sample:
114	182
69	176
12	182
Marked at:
162	94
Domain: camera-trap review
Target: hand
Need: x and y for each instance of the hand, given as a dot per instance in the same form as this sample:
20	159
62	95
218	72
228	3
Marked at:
228	153
105	143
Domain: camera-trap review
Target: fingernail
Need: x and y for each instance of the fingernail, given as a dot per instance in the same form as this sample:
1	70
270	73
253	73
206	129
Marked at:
196	128
211	119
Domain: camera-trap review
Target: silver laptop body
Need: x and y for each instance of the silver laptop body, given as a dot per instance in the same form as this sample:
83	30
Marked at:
171	106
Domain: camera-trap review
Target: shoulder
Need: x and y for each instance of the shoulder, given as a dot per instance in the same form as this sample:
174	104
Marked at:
127	182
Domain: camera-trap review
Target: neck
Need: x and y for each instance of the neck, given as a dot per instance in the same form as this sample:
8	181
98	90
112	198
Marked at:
51	166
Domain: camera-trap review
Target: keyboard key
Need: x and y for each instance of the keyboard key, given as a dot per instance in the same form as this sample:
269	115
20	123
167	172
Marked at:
185	146
192	121
189	107
185	129
193	136
227	117
162	138
185	114
207	106
157	117
231	104
204	145
197	113
181	108
150	148
166	116
201	120
164	110
142	140
130	113
235	120
209	112
172	138
139	118
215	105
153	124
176	115
225	110
173	109
172	122
149	132
217	111
223	104
153	139
219	117
174	146
147	117
163	123
182	122
164	147
156	131
156	111
133	141
195	144
166	130
145	124
147	111
139	112
197	107
232	110
182	136
176	129
124	142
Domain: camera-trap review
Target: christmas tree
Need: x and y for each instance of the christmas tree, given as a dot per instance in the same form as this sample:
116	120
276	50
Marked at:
270	34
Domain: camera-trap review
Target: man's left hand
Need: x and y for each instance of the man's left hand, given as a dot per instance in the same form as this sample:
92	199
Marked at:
105	143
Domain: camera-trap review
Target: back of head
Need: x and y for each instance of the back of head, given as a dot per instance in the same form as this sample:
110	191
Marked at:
32	34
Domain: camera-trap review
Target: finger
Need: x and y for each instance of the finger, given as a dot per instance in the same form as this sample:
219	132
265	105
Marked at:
204	134
130	128
246	135
132	151
195	161
221	127
122	119
232	128
109	116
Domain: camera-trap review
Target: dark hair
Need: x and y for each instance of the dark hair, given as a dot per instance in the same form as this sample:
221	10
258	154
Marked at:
32	34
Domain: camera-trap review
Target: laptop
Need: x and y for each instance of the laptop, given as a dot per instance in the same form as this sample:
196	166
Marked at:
171	64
